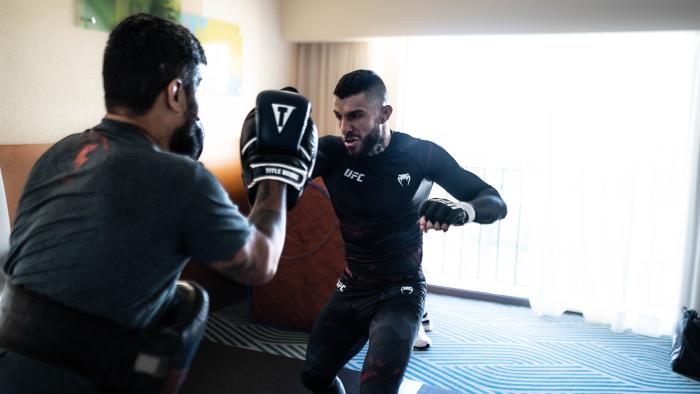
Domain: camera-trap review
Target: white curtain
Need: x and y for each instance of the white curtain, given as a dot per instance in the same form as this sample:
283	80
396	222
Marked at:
4	231
609	181
320	66
601	126
690	295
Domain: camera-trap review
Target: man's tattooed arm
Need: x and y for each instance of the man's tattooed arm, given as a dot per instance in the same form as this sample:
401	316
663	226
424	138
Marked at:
256	262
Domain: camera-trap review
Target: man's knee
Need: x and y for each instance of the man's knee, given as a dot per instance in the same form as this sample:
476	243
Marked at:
381	375
387	358
394	332
320	384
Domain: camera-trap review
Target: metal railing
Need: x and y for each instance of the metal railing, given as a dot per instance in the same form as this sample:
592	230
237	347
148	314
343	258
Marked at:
482	258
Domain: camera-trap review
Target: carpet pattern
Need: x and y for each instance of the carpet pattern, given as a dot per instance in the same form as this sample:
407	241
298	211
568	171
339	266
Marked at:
482	347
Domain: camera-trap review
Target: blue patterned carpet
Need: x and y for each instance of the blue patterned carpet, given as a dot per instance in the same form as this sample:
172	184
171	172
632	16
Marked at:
482	347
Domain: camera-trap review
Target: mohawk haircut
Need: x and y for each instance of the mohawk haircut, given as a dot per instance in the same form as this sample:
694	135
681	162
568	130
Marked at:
361	81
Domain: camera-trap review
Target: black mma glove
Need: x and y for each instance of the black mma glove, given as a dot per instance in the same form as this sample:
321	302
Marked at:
279	142
443	211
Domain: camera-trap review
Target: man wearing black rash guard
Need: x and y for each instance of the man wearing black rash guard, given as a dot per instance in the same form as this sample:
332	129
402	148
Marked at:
379	181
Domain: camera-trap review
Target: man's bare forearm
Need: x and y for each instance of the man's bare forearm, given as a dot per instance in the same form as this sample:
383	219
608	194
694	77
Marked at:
269	216
257	261
270	210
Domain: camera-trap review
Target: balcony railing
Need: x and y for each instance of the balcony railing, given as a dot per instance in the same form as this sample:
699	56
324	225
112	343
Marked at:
483	258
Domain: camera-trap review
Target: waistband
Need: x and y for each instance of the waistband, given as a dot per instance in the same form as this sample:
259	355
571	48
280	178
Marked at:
413	276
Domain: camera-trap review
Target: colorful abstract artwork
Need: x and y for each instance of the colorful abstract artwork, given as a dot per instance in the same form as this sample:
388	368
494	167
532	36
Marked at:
104	15
223	45
222	41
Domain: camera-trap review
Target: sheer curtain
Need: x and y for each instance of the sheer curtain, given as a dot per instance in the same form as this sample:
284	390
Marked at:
690	296
610	181
4	232
600	124
320	66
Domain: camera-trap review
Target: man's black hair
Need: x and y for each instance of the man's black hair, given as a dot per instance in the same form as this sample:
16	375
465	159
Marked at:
360	81
143	54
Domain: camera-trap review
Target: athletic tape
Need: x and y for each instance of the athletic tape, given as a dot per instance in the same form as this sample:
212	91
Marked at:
469	208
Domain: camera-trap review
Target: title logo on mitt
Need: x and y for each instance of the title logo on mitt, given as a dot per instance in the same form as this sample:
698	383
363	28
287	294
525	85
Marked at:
282	114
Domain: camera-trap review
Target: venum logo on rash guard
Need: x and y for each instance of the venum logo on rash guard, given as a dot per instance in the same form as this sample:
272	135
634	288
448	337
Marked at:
353	175
404	179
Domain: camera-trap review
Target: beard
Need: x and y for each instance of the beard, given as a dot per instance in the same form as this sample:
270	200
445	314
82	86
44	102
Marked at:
188	139
366	143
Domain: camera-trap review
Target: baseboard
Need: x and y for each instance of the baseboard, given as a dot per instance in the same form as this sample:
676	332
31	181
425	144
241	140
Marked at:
478	295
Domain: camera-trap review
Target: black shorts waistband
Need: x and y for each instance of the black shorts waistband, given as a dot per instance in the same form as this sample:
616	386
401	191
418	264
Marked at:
415	276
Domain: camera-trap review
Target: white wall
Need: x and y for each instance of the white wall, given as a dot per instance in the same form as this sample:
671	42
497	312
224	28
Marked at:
50	72
51	69
340	20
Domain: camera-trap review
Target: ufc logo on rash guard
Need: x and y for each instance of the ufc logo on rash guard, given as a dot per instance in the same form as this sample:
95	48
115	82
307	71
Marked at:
353	175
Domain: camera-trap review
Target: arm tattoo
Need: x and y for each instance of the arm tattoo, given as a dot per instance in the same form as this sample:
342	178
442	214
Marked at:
268	218
263	192
240	271
265	215
265	220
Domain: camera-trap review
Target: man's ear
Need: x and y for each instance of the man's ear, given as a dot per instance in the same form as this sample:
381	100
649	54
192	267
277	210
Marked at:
175	96
386	112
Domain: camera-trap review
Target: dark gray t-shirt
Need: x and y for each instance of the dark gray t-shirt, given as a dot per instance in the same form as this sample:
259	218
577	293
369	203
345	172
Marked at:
107	221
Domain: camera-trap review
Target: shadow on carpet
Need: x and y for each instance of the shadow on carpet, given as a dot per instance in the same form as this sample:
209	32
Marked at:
221	369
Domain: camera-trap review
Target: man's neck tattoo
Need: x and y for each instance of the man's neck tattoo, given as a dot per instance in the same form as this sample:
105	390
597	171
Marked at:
381	144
